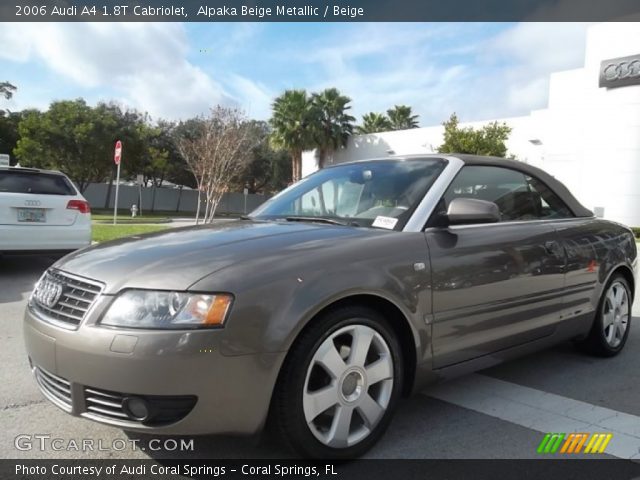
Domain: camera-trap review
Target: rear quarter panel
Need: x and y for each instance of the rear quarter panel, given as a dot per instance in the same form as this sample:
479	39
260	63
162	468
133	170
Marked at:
595	249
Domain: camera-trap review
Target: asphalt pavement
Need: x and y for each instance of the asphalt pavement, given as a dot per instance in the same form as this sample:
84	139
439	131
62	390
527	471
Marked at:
501	412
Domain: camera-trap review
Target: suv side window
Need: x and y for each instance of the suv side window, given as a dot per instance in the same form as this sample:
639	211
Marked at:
519	197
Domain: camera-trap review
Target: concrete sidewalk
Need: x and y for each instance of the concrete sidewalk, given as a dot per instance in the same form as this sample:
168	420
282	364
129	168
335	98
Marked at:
190	221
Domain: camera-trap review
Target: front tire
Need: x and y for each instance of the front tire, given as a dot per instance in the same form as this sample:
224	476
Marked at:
340	384
610	329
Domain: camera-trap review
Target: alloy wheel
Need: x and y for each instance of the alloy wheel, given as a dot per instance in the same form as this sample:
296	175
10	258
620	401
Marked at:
348	386
615	314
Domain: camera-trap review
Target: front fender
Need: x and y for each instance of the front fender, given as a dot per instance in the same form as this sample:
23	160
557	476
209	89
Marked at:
276	296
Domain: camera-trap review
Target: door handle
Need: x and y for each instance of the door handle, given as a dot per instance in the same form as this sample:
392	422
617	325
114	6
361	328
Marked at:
551	247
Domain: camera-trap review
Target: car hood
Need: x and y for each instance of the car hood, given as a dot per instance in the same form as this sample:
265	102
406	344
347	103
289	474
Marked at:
176	259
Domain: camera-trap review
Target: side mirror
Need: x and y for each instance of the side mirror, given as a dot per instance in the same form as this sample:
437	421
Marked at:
464	211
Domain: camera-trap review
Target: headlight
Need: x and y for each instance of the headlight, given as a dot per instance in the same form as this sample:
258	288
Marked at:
151	309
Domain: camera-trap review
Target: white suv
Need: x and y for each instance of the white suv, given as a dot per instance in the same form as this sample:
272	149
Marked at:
41	210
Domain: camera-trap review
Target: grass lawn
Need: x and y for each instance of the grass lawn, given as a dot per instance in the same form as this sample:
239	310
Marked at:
125	212
108	218
102	233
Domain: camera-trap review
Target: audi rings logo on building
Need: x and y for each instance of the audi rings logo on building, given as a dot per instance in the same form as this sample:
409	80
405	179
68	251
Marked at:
620	72
32	203
48	292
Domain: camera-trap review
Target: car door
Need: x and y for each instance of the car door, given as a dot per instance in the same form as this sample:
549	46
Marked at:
584	242
495	285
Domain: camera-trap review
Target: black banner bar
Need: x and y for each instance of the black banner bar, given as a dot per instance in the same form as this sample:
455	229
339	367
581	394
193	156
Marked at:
326	470
316	10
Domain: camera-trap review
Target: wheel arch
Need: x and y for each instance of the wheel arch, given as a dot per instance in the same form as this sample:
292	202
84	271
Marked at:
397	321
628	275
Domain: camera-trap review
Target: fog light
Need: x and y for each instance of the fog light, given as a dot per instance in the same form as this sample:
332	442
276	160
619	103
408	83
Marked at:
136	408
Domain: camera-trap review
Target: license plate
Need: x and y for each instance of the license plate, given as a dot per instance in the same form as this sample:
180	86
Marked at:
32	215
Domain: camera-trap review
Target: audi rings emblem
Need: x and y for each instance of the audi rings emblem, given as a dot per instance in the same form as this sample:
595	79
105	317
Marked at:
620	72
49	292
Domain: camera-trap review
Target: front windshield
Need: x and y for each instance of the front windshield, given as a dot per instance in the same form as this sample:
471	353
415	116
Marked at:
380	193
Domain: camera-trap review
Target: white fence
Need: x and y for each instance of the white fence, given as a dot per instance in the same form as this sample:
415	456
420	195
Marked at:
167	199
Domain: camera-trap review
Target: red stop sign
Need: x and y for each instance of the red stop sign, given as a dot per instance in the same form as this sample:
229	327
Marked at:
117	155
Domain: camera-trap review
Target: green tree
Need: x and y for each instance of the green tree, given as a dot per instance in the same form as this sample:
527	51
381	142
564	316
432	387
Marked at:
71	137
7	90
268	170
292	122
373	123
9	134
401	118
334	124
489	140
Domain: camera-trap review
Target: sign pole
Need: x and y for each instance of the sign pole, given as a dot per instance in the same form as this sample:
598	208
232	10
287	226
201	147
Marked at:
115	205
140	179
117	156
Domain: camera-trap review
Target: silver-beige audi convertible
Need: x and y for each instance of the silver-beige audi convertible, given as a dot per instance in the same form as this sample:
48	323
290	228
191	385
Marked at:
357	285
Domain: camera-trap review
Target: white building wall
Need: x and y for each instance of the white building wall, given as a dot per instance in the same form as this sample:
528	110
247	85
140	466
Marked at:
590	136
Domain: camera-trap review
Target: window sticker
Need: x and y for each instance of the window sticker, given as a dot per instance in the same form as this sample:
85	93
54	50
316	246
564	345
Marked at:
385	222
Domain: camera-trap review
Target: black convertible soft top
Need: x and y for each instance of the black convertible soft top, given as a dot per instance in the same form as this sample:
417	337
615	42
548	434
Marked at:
558	187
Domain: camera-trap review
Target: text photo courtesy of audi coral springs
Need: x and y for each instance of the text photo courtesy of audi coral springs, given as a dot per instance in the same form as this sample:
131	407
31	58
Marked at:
315	248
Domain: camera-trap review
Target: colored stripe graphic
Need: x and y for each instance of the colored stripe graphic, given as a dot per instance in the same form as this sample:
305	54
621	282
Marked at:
598	443
573	442
551	442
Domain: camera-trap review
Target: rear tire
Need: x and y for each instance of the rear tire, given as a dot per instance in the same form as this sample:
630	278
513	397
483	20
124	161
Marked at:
610	329
339	385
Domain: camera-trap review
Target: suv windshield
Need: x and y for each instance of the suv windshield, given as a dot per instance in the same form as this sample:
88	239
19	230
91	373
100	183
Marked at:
34	182
365	194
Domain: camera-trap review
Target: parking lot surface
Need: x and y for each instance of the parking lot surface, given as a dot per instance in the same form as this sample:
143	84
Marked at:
502	412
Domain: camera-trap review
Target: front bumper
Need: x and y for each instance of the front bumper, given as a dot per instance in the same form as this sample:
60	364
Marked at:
232	392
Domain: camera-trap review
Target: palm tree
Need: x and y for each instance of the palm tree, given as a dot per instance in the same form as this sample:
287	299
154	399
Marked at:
373	122
293	123
401	118
334	125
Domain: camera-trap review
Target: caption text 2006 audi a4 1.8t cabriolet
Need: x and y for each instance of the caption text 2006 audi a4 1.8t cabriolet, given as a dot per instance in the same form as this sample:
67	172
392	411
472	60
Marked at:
357	285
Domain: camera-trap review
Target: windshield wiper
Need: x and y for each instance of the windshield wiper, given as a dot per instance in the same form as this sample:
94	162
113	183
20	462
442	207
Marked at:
316	219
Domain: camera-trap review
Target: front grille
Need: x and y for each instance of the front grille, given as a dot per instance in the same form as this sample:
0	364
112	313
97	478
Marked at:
64	299
55	388
104	403
108	407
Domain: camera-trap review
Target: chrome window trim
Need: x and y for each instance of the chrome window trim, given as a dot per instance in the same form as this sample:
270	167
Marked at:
425	208
517	222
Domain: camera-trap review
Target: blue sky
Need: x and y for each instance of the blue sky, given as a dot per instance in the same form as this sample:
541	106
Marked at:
480	71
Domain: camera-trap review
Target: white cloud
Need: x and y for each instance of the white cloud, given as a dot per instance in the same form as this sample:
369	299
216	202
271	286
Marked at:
439	69
144	63
254	97
237	38
436	68
529	53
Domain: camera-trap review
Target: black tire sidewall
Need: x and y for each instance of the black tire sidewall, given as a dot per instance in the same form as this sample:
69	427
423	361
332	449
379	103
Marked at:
296	431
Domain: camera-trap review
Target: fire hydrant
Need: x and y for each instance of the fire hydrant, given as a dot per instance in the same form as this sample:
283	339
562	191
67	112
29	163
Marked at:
134	210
